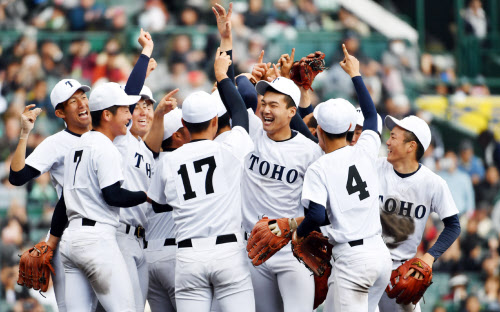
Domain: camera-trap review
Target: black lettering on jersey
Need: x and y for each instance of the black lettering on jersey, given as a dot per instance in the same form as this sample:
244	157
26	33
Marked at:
264	164
360	186
292	176
139	158
264	169
78	155
148	170
198	164
402	208
69	83
276	172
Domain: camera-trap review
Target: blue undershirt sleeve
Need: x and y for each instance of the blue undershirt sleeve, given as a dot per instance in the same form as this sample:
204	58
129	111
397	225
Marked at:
233	102
314	218
450	233
247	92
116	196
137	77
366	104
18	178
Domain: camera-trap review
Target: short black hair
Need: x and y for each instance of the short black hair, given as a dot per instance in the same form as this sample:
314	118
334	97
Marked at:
197	127
96	115
166	143
312	123
410	136
223	121
333	136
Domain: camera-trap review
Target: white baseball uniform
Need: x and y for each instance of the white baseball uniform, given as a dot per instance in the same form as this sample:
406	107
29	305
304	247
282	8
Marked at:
272	184
160	251
345	182
138	161
201	181
91	257
49	156
414	198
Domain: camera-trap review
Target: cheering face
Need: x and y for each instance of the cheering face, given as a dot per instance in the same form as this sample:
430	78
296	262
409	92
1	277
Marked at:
142	118
397	147
274	112
76	111
355	137
120	120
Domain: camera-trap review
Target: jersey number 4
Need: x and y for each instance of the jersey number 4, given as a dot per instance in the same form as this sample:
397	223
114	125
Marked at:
209	185
360	186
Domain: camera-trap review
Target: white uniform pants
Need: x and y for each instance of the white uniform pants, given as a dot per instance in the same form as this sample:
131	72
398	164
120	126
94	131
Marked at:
359	276
207	269
282	284
137	266
95	269
161	265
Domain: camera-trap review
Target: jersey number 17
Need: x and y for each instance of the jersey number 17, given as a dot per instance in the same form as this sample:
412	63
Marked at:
198	164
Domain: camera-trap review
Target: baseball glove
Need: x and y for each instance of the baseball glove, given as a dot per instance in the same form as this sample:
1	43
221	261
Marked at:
34	269
409	290
304	71
315	252
321	286
263	243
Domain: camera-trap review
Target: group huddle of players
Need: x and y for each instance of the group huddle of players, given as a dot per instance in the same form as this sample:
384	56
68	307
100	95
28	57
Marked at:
157	204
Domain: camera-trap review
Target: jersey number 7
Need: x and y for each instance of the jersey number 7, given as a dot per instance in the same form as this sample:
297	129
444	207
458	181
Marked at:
209	186
360	186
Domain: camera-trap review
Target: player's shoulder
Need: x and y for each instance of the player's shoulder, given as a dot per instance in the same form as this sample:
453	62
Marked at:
306	144
432	178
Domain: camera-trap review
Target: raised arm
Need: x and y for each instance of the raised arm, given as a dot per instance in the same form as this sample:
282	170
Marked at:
224	27
136	79
155	135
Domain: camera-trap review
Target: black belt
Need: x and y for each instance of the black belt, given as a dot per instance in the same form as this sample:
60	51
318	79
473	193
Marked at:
139	231
88	222
402	261
221	239
168	242
356	242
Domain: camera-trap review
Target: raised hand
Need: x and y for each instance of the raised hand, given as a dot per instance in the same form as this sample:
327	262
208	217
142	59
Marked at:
146	42
260	69
28	118
151	66
167	103
273	73
350	64
223	19
221	64
286	62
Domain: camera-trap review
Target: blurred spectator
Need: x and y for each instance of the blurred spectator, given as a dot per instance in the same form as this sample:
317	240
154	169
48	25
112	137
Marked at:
9	139
351	22
398	105
491	149
309	17
112	65
458	289
255	17
459	183
472	304
488	189
12	14
83	61
51	18
489	295
189	17
88	15
42	191
470	163
402	57
471	245
284	12
479	88
450	261
40	97
182	53
475	19
28	305
154	17
495	217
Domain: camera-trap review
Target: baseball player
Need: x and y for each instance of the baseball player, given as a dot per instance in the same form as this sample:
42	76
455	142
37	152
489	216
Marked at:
272	181
353	136
71	104
93	262
344	182
160	246
201	182
408	193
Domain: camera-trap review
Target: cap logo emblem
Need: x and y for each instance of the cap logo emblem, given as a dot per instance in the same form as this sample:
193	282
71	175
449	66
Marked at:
69	83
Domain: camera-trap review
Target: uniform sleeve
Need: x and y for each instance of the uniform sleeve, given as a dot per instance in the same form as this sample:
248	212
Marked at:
157	187
42	158
239	142
442	201
369	142
108	166
314	188
254	124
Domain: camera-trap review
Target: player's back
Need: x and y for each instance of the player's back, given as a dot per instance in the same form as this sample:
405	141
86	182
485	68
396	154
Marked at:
273	177
203	185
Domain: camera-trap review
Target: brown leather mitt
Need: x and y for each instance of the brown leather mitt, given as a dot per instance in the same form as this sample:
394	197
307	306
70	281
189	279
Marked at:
34	270
263	243
314	251
321	286
409	290
304	71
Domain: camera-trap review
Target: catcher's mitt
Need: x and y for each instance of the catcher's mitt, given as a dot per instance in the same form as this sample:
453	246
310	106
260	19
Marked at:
409	290
262	243
34	270
304	71
314	251
321	286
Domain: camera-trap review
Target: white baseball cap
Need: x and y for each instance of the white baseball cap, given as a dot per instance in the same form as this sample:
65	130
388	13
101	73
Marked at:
64	89
172	121
110	94
199	107
146	94
221	108
361	119
282	85
414	124
335	116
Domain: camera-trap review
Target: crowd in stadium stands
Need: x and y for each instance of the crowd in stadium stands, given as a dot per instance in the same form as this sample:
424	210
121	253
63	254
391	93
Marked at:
30	68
